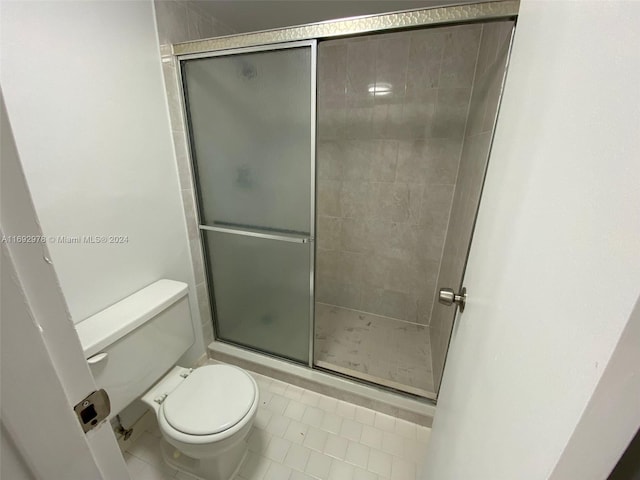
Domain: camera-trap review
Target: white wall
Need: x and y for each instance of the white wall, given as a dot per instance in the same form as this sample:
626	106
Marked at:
554	270
84	92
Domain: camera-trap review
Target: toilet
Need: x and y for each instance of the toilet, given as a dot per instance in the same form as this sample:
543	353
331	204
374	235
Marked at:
204	414
206	417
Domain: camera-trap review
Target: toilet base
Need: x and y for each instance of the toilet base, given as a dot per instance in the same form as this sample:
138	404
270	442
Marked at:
213	468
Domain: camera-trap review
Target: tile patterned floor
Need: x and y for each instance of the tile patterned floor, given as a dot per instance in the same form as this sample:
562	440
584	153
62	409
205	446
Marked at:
374	348
301	435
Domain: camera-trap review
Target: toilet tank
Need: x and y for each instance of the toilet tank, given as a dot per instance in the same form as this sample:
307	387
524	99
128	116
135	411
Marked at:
133	343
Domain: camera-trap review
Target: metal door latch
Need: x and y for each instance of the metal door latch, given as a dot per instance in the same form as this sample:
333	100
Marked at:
93	409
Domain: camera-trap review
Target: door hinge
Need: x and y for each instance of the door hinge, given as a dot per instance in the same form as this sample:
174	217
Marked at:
93	409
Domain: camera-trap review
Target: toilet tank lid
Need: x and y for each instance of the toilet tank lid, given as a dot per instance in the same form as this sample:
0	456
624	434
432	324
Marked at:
112	323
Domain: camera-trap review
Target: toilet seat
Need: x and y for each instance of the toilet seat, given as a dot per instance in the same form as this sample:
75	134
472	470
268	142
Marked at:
191	444
211	400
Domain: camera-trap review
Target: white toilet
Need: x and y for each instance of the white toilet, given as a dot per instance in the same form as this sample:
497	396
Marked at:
204	414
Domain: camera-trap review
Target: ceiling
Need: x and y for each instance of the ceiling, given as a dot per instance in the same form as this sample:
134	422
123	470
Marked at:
253	15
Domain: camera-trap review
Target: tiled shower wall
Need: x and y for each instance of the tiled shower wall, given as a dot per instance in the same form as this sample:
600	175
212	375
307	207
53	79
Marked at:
492	58
181	21
186	20
392	111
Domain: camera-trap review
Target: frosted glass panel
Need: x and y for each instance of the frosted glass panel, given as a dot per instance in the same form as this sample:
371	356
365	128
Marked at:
261	292
250	126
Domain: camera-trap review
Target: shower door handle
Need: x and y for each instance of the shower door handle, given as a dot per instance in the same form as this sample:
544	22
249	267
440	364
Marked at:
446	296
283	237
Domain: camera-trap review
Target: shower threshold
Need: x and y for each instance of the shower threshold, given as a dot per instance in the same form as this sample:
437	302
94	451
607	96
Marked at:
373	379
380	398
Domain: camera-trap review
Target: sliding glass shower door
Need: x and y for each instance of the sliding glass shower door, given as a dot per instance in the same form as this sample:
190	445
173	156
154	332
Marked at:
251	115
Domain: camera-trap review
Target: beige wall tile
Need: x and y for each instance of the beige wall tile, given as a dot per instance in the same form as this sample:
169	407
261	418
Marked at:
436	206
171	18
332	83
389	303
459	57
361	64
196	23
375	270
329	198
188	203
332	116
181	21
354	199
356	159
478	105
428	161
335	292
451	112
329	156
429	243
329	232
203	302
382	160
358	119
392	55
182	158
425	59
355	235
418	115
389	201
387	122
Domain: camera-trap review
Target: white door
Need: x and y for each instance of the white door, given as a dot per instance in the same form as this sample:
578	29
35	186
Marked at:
44	373
554	268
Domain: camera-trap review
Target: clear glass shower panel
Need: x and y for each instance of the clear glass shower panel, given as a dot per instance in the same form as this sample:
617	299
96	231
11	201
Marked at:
405	122
262	292
250	121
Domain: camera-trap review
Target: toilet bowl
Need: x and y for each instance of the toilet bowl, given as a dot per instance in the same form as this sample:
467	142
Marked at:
205	414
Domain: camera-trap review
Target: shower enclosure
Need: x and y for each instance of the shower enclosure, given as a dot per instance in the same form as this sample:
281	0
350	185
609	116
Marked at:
338	181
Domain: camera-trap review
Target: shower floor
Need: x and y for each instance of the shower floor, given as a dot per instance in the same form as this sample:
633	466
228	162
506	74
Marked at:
378	349
370	347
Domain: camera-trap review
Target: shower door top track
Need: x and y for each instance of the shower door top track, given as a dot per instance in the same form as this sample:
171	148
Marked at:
454	14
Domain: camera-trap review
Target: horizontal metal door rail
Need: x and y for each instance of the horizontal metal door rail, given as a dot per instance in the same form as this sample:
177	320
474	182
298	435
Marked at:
283	237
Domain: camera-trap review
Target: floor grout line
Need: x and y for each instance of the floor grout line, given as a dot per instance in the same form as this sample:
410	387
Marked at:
368	444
